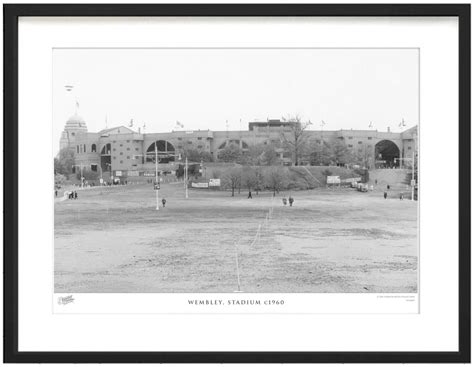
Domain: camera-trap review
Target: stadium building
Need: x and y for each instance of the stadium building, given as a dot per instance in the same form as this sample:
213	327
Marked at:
123	152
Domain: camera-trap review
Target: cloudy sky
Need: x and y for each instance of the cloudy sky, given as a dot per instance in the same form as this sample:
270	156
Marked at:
204	88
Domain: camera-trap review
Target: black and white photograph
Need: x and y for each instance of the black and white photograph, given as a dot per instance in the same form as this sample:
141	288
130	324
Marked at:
246	170
237	183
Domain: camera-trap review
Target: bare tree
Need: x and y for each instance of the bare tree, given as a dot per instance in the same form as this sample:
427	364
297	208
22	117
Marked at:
319	152
296	139
259	179
249	178
340	152
232	178
64	161
230	154
195	154
59	180
256	155
263	154
365	157
276	178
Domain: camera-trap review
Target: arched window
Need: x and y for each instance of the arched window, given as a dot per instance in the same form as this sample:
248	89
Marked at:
93	148
84	148
165	152
77	148
106	149
236	142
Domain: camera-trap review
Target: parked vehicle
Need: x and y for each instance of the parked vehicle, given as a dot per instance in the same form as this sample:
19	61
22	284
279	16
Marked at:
362	187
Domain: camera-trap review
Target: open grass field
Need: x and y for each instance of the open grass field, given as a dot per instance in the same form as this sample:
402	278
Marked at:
113	240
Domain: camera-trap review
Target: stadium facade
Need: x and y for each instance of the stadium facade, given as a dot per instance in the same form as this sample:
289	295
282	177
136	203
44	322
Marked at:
123	152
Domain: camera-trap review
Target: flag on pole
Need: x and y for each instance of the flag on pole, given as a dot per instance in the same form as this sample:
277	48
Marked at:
371	125
179	125
131	123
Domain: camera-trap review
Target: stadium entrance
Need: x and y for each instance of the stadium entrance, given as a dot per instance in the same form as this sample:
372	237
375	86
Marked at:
166	152
385	153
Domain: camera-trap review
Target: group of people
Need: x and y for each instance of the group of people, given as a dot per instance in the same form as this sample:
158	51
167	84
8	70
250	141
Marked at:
385	193
72	195
284	200
290	201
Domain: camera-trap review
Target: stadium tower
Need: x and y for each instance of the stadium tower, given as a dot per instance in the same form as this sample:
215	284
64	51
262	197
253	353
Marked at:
74	127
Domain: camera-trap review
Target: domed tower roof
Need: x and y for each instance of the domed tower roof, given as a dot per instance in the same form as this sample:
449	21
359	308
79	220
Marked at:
76	122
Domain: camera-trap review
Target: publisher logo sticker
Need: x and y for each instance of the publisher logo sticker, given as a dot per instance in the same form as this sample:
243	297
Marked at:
65	300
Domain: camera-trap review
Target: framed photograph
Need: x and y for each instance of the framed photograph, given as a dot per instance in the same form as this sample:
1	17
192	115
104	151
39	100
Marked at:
237	183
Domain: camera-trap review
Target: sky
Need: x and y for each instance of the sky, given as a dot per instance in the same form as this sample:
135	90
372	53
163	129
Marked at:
218	89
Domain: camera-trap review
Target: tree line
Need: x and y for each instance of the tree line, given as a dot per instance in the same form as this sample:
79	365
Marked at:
255	179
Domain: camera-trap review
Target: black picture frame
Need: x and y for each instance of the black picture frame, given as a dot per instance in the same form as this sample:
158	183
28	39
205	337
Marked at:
12	12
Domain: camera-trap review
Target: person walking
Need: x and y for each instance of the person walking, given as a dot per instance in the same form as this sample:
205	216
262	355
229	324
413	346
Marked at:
401	196
388	187
284	201
291	200
164	202
385	194
250	195
75	195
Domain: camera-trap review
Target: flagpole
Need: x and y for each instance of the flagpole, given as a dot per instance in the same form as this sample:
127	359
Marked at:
156	178
413	177
322	127
186	177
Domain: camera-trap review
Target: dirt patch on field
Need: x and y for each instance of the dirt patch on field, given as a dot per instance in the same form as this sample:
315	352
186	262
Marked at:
329	241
